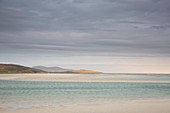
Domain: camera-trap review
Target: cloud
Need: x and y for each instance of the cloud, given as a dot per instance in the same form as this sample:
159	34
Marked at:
98	27
72	14
160	27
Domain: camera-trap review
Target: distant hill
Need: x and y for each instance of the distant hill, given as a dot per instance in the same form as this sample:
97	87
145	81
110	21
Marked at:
58	69
13	68
51	69
82	71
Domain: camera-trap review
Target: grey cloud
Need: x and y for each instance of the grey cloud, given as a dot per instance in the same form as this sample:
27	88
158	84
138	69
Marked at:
69	14
85	26
160	27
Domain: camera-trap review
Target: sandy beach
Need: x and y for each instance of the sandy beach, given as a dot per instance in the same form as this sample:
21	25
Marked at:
78	78
136	107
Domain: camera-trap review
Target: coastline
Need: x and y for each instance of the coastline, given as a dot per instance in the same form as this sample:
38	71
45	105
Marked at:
78	78
135	106
124	107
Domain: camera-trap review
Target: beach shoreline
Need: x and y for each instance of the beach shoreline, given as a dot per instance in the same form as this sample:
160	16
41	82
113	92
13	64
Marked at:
123	107
53	81
78	78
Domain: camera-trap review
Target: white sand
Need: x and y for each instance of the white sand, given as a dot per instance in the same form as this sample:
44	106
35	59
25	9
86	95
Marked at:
76	78
138	107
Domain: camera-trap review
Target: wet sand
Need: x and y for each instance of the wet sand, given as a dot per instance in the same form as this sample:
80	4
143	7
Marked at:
136	107
78	78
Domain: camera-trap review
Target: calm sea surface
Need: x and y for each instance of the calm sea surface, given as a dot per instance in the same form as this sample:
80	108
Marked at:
17	94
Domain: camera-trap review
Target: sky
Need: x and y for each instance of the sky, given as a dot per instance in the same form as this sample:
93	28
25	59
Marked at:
118	36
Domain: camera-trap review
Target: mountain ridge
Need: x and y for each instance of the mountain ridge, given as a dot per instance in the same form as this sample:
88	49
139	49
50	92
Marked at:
15	68
51	69
56	69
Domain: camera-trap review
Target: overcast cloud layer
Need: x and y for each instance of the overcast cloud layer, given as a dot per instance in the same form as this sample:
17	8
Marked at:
139	28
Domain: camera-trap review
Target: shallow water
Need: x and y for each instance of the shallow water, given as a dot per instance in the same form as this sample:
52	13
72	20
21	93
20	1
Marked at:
18	94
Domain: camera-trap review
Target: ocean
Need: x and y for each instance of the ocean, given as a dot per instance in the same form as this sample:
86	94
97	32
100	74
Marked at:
24	94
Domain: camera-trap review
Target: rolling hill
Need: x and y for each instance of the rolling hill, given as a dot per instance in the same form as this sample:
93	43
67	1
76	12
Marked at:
51	69
13	68
82	71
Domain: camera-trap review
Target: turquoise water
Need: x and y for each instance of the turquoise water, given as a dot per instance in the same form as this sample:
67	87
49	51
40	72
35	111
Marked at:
17	94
